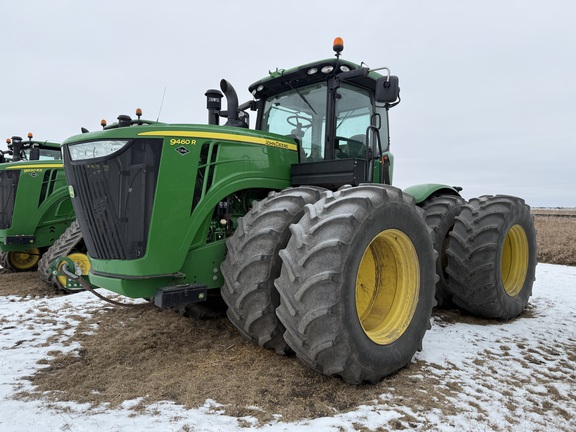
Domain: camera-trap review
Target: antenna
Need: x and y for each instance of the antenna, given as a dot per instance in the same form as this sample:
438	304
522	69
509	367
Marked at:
161	103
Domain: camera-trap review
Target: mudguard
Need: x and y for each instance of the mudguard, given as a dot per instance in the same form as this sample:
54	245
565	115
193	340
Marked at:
422	192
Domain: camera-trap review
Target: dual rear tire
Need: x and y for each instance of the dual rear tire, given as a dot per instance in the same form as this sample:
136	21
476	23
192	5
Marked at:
492	257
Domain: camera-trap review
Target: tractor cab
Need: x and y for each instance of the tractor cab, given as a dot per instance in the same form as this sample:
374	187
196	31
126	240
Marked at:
31	150
337	113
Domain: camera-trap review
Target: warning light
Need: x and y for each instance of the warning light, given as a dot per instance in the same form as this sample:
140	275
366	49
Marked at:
338	46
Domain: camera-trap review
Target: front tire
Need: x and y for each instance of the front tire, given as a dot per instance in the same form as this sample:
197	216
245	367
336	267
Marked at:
20	261
357	283
492	257
252	264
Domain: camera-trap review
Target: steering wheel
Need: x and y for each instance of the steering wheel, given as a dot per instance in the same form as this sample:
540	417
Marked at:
294	120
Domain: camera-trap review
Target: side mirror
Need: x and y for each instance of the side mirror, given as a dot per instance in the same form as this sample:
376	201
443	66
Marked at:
387	89
35	153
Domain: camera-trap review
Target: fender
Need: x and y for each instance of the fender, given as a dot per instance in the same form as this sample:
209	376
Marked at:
422	192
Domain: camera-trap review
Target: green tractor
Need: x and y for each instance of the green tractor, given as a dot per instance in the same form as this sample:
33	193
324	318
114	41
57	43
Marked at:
35	206
294	224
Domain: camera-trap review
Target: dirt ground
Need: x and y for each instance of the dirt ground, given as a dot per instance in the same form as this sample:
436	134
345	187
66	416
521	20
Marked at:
127	353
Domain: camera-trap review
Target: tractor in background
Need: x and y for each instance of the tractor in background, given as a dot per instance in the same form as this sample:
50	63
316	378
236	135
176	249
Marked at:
35	207
295	225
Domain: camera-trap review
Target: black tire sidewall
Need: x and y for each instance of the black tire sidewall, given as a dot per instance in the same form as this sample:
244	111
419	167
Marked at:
518	216
401	217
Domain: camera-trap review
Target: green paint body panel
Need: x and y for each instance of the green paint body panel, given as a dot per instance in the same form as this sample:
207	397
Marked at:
42	209
422	192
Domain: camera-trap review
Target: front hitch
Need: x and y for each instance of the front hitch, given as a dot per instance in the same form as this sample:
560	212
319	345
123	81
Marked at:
71	271
76	281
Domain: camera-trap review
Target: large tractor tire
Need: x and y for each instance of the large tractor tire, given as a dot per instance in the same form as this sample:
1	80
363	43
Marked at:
71	245
441	212
357	283
20	261
492	257
252	264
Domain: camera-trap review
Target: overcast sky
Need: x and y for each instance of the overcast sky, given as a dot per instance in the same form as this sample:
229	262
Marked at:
488	87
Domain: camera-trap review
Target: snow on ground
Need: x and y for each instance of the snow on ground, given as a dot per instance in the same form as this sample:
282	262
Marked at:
506	376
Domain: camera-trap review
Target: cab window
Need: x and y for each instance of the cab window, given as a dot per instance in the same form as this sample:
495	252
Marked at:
301	115
353	117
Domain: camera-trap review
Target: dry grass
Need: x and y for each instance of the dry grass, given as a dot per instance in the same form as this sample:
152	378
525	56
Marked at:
25	285
556	236
160	355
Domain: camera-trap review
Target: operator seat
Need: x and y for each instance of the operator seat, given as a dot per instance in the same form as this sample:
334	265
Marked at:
356	146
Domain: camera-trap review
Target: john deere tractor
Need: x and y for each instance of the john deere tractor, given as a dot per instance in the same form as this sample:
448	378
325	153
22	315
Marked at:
295	223
35	207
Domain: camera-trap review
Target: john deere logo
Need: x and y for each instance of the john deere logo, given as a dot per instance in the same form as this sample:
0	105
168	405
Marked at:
182	150
71	191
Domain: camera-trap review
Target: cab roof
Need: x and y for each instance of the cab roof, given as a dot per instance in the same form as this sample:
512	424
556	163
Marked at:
281	80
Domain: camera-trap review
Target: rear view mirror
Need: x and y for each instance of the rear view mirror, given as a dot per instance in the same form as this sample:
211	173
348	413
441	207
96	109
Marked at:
387	89
35	153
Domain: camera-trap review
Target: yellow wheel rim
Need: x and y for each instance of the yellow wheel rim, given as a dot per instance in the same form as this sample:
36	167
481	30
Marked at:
82	261
387	286
514	264
24	260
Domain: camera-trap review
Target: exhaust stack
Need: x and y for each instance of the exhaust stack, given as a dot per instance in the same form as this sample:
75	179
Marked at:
232	101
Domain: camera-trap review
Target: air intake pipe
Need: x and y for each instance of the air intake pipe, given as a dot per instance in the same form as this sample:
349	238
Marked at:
16	148
213	104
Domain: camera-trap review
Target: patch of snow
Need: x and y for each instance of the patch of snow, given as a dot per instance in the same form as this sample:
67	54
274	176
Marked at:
481	360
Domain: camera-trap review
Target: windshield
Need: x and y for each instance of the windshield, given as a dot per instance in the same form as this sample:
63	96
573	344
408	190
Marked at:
301	114
45	154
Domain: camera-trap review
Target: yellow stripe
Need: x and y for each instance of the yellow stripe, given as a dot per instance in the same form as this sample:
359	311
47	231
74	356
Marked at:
226	137
52	165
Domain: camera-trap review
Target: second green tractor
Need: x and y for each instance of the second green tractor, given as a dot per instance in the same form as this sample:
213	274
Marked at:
37	221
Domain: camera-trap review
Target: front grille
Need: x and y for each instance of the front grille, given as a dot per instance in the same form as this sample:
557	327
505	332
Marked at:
8	187
114	199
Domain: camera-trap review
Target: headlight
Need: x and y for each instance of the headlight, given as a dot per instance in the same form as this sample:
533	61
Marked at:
95	149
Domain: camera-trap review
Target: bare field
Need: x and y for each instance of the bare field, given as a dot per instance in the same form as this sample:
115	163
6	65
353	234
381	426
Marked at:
560	211
556	235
